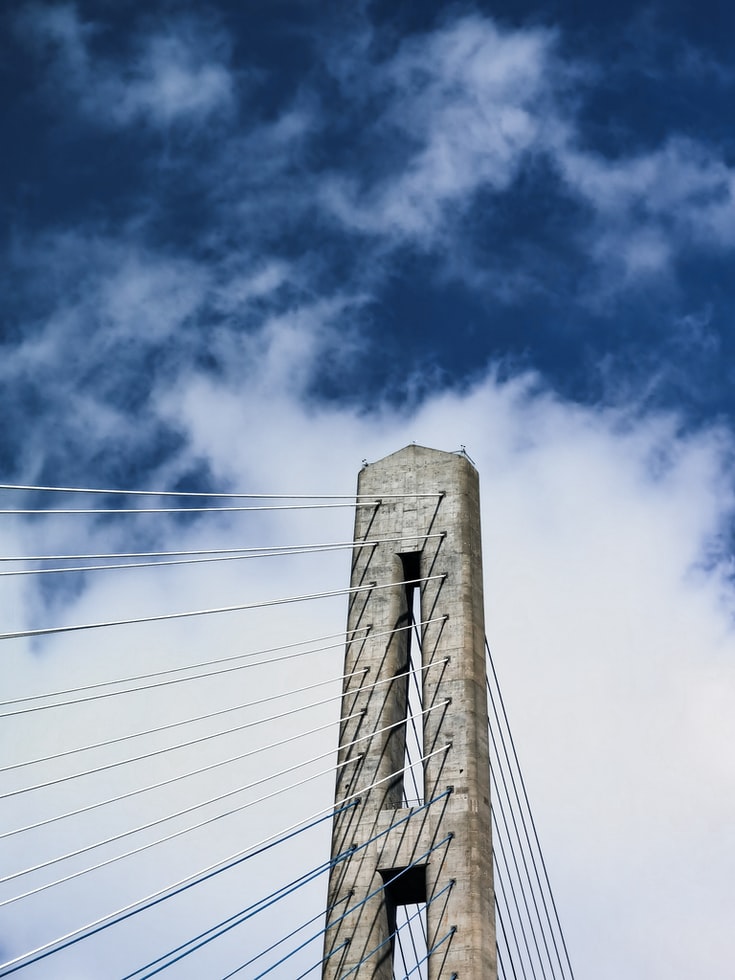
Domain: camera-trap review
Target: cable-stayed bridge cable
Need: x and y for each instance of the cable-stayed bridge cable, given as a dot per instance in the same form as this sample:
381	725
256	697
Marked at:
512	919
181	745
170	891
322	961
530	815
504	934
521	849
248	913
521	887
175	834
433	949
214	494
196	666
171	779
198	557
134	908
107	511
381	888
185	830
20	634
191	721
233	921
399	947
388	939
169	683
279	942
192	808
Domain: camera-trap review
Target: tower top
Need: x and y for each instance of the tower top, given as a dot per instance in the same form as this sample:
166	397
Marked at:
423	455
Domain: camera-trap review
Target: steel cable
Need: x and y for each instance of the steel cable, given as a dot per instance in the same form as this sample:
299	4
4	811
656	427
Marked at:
175	834
233	921
181	745
180	813
163	894
172	748
197	666
530	815
172	779
21	634
134	908
219	494
210	555
383	942
107	511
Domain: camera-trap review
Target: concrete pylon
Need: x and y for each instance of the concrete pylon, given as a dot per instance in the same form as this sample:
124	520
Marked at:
427	525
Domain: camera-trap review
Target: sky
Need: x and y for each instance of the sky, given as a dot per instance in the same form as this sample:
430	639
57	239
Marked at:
247	246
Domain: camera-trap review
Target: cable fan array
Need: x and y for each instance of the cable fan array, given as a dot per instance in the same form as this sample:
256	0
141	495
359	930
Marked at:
175	816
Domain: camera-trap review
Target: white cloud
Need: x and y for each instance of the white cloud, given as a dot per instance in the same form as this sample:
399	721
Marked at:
171	79
178	72
651	207
612	633
469	100
613	640
614	649
469	106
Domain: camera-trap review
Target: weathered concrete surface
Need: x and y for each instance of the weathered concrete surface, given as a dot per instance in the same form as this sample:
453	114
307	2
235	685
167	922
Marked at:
442	499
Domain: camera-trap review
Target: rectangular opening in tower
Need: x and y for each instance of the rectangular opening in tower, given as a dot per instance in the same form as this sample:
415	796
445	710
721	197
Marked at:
405	894
413	781
410	947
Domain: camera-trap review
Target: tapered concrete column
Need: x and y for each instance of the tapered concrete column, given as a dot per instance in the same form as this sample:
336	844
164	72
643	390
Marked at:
429	511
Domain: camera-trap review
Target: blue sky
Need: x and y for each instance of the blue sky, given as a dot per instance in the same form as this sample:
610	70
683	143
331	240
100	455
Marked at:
451	188
247	245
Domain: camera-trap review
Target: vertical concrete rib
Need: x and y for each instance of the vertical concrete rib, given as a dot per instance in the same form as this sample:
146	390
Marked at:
442	499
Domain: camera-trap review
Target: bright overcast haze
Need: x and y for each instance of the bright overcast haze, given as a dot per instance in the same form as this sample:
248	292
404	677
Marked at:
248	245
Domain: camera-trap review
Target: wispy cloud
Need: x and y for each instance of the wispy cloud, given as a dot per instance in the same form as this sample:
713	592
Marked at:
464	106
176	71
236	355
653	206
468	108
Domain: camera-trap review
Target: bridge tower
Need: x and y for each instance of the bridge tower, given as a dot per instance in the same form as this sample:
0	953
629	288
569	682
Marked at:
419	834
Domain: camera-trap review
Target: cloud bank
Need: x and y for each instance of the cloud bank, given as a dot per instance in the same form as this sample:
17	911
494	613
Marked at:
300	269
